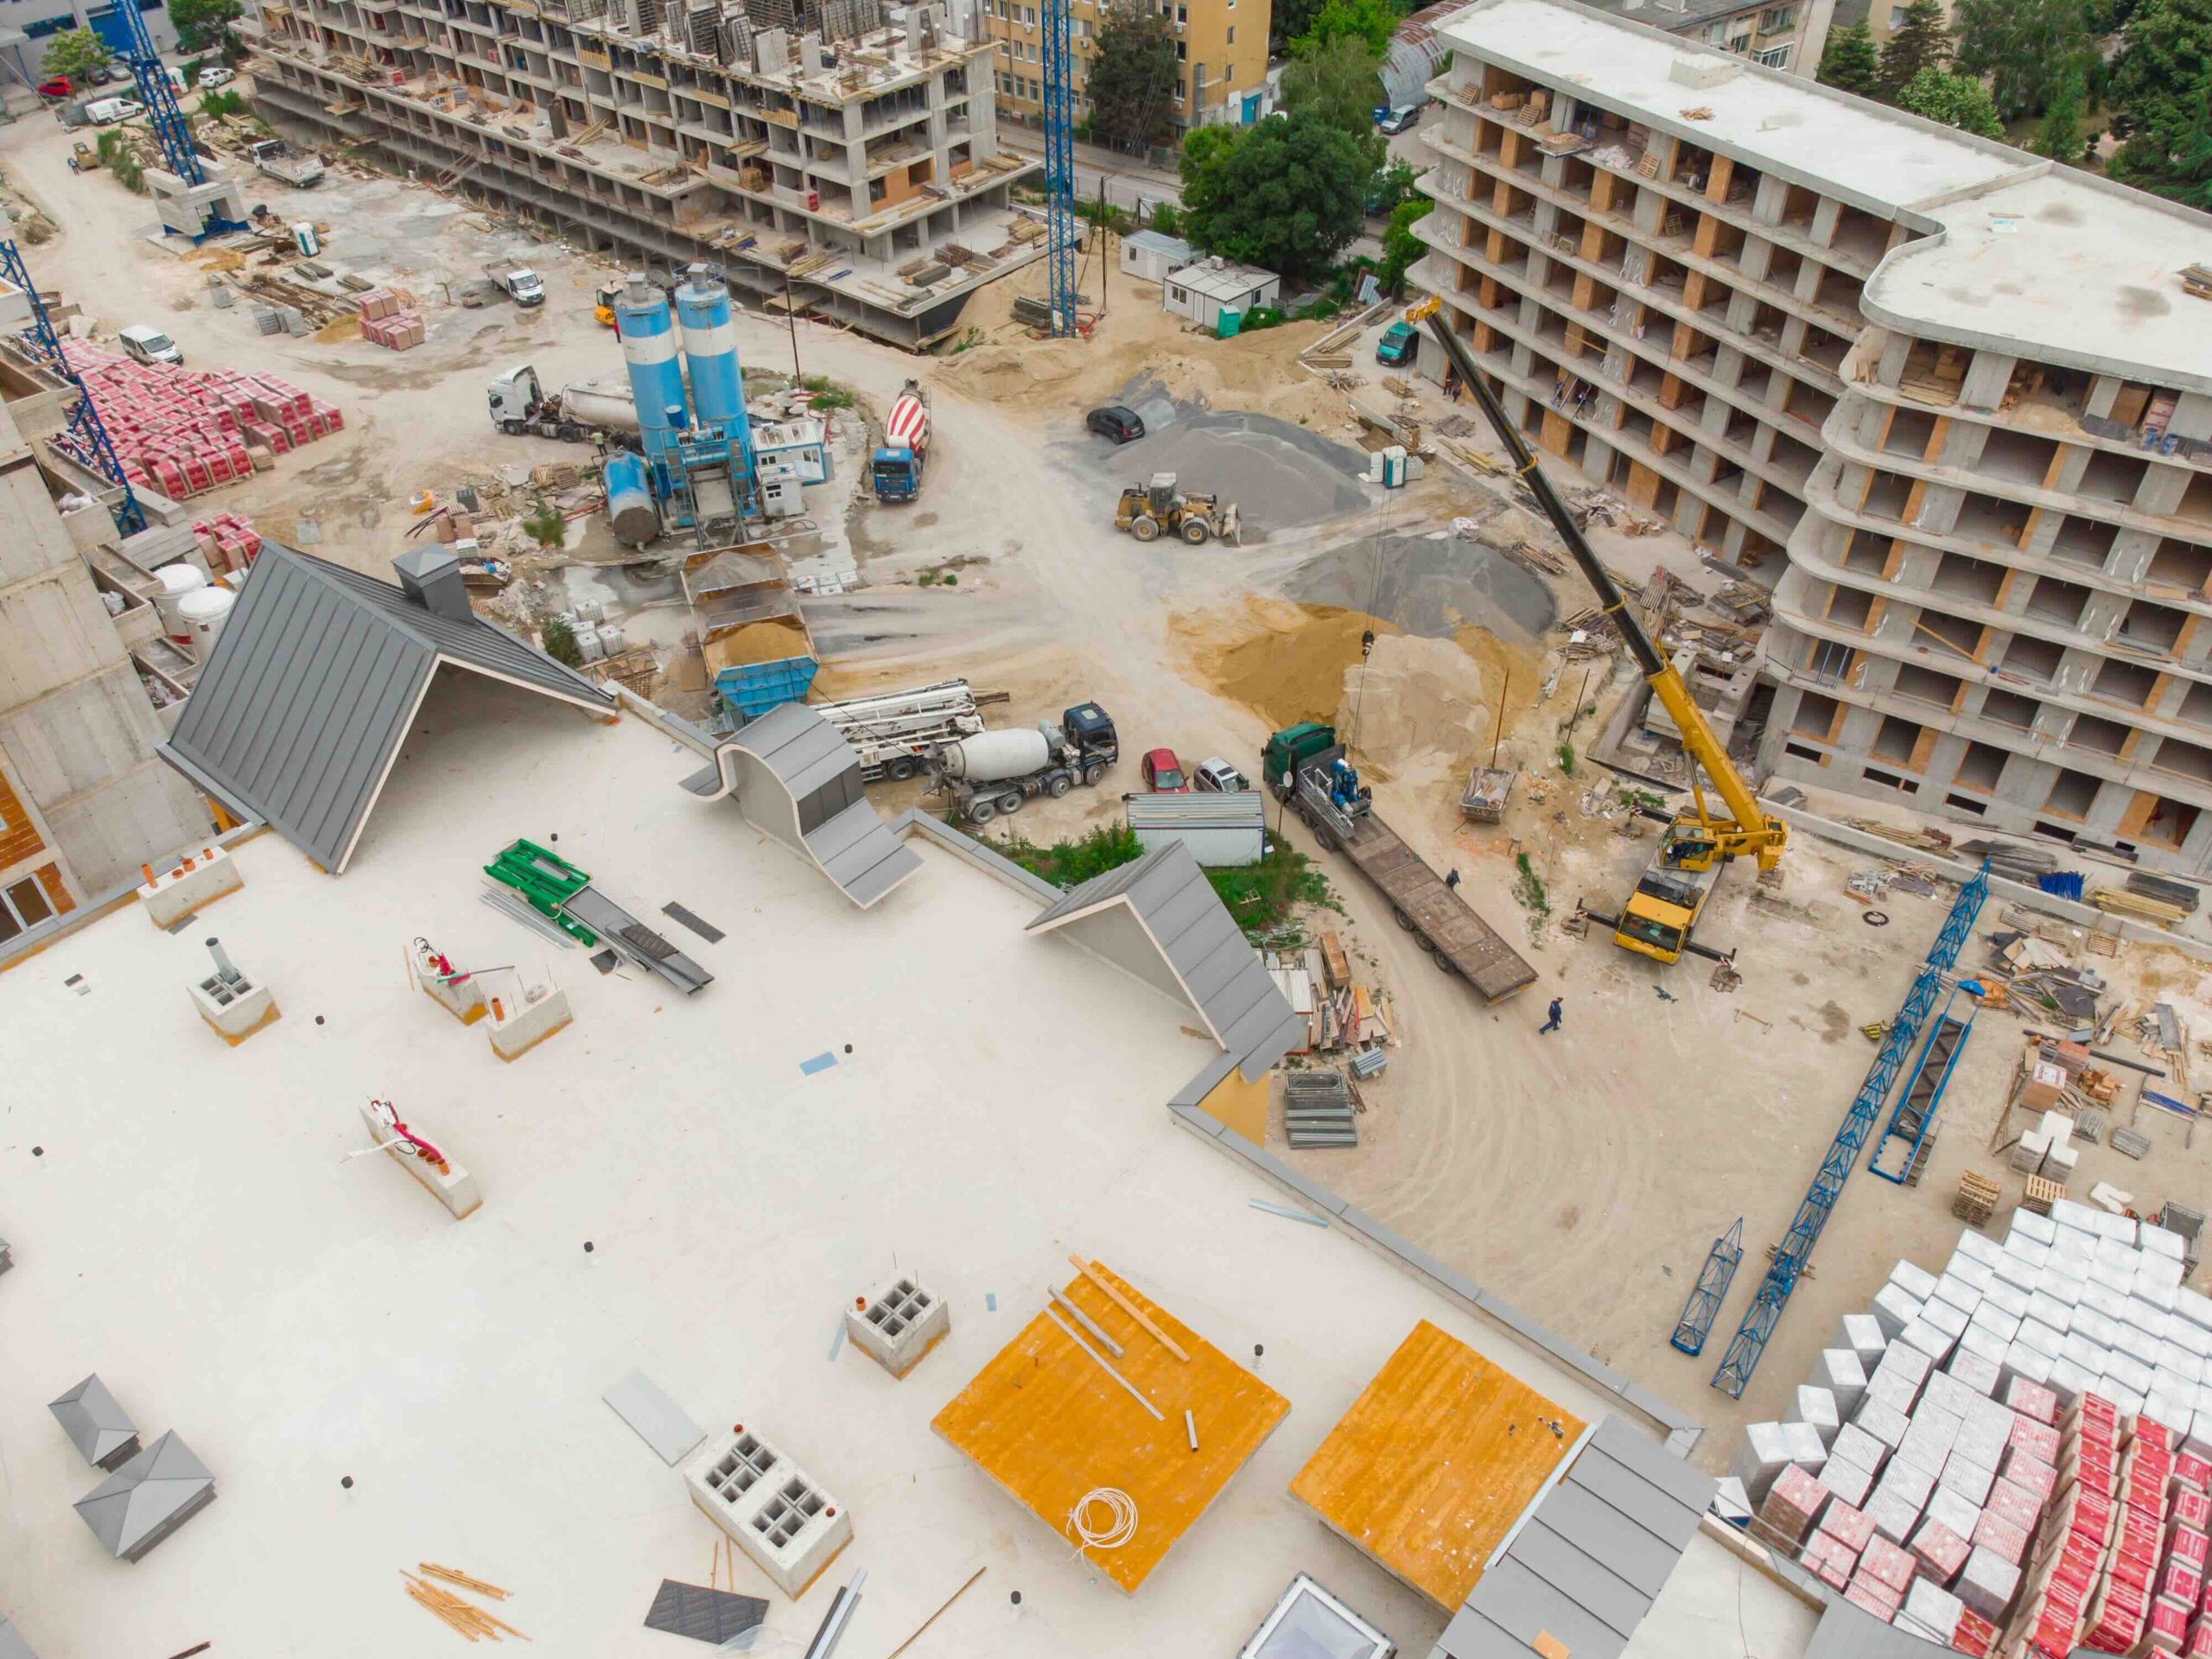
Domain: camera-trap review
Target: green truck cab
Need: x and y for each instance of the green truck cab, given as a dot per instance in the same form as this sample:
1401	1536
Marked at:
1291	749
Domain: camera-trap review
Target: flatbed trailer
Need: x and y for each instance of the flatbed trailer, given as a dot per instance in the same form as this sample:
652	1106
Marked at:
1441	921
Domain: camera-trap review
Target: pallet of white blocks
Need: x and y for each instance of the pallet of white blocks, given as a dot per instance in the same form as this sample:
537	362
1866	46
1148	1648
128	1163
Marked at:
2029	1464
771	1508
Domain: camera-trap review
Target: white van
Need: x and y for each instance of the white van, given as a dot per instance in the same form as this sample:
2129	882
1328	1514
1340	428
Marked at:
109	110
150	346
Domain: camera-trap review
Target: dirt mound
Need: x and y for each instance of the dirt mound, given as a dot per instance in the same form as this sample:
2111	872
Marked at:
1416	705
1285	661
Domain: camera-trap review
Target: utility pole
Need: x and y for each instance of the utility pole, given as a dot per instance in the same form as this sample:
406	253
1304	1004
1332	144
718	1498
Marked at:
790	320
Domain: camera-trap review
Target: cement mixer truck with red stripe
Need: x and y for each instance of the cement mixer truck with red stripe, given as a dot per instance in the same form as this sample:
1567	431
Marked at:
896	469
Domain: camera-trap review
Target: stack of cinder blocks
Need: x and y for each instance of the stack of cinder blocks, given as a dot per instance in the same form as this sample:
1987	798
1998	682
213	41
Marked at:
774	1511
899	1324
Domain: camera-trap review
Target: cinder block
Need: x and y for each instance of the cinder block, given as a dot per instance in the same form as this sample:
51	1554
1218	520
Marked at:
234	1008
899	1324
773	1509
195	882
515	1031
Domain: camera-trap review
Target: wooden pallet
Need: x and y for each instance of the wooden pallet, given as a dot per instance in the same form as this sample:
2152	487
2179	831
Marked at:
2042	1194
1976	1200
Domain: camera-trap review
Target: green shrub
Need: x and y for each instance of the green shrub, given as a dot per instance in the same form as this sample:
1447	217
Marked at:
544	523
1071	863
1566	758
558	640
1528	888
1262	896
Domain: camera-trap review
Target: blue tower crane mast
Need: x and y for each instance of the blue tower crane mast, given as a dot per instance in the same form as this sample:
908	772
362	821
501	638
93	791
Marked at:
1059	167
163	114
85	436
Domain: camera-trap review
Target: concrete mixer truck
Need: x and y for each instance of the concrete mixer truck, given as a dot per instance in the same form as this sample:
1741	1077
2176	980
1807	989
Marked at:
994	773
582	408
895	469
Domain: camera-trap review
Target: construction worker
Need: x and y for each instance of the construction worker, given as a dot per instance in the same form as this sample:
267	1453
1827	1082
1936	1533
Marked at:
1552	1024
1450	878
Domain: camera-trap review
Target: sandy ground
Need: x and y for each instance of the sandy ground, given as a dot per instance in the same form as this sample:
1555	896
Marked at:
1581	1174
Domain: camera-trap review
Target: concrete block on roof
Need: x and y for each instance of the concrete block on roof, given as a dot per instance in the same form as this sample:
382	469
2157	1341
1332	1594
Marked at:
1964	1272
190	884
781	1517
2195	1306
1839	1372
1947	1506
1805	1447
1979	1361
2157	1241
1762	1452
519	1026
1884	1421
1854	1445
1891	1389
1980	1248
1929	1337
1947	1317
899	1322
1850	1481
2029	1363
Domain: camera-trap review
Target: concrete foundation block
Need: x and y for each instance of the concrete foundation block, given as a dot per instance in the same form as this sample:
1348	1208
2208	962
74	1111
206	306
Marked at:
773	1509
451	1185
195	883
899	1324
515	1031
234	1010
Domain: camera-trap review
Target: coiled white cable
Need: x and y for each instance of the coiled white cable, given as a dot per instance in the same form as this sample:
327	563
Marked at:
1121	1523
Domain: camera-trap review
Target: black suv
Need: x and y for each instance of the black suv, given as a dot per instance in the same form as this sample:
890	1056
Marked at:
1122	425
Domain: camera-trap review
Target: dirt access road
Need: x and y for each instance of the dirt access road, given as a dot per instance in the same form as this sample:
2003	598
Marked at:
1582	1174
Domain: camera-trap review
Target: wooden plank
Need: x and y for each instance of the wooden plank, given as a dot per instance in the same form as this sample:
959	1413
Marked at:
1144	1322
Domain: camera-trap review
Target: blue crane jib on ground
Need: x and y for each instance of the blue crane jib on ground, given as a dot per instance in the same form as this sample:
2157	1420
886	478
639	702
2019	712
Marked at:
85	438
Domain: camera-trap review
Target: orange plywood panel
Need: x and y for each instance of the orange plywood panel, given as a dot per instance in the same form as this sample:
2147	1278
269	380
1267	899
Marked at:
1048	1425
1435	1461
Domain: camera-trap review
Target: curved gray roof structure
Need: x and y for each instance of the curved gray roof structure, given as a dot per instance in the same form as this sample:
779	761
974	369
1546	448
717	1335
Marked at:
147	1499
304	702
1161	919
797	779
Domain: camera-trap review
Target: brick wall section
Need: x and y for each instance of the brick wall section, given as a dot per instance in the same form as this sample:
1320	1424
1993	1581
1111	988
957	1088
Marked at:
18	839
57	890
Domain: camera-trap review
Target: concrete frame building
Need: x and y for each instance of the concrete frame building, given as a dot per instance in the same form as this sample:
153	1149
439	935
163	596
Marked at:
1221	49
1966	393
862	175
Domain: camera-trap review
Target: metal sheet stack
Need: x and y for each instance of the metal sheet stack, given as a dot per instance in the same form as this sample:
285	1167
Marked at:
2027	1462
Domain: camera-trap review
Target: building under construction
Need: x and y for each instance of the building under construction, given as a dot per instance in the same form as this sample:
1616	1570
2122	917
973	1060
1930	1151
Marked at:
839	157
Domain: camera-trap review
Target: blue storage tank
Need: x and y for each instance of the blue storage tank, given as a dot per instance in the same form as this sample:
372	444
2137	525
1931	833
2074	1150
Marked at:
630	508
711	348
648	334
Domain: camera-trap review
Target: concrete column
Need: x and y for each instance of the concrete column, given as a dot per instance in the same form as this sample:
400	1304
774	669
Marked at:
1772	195
2073	462
2101	616
2192	416
1942	767
1793	335
2104	391
1889	369
1987	375
2132	551
1757	255
1939	509
1598	457
2162	488
1828	213
1688	511
1731	540
2077	672
1917	569
1963	442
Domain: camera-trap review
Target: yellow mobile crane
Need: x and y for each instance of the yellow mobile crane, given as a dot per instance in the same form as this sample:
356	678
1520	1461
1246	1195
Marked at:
1660	915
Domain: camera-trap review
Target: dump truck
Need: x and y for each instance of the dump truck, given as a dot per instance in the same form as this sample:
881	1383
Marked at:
898	735
579	411
518	282
1306	768
280	162
895	469
1161	504
994	773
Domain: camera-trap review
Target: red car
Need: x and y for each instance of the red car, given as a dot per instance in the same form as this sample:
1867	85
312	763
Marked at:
58	86
1163	773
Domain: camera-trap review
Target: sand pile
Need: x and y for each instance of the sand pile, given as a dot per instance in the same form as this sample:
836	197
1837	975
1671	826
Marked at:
1416	705
1287	662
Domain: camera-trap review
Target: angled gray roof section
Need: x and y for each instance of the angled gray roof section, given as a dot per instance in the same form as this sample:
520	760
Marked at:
13	1643
1585	1563
147	1499
304	702
1845	1632
804	751
1209	958
857	850
100	1427
811	760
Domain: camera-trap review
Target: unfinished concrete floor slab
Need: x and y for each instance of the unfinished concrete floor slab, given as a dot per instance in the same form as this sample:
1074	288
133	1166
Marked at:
311	1318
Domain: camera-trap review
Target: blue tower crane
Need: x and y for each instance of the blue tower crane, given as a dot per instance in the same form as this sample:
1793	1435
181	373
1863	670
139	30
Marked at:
163	114
1059	169
85	437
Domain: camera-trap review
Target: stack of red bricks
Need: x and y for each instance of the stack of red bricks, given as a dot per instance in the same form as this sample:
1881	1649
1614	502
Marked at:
227	541
183	432
387	320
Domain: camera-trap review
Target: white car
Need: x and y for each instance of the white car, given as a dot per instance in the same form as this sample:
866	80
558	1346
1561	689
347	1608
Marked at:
214	77
107	111
1216	774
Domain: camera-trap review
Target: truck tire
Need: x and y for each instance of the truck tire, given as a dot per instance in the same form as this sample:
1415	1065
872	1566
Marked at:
514	428
1325	837
1194	532
570	432
1058	784
1145	529
1011	801
982	812
1449	967
901	767
1402	919
1094	771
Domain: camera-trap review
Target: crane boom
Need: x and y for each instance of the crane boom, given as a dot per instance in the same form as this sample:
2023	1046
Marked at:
1750	832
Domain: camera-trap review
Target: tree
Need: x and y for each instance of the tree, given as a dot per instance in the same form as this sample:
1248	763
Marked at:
202	22
1957	101
1851	64
2060	136
558	640
2161	72
2171	152
1339	80
1133	77
1401	247
75	53
1920	42
1284	194
2026	49
1393	185
1373	22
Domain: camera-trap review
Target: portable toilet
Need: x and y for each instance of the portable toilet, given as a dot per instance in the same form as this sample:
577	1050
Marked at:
1227	322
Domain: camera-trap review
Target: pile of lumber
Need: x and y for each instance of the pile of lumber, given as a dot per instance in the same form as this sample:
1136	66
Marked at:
465	1616
2118	901
1339	1014
1919	837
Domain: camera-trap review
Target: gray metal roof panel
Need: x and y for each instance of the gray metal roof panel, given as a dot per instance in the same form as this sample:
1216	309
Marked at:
861	854
146	1492
1574	1573
1656	1511
1243	810
1846	1632
94	1420
1602	1531
1520	1604
1687	1485
1098	890
306	697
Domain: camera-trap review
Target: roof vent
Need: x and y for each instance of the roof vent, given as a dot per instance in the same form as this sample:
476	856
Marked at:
431	577
1701	71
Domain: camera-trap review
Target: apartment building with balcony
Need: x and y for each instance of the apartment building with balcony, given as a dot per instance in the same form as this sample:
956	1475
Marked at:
1780	33
1221	50
862	175
1952	404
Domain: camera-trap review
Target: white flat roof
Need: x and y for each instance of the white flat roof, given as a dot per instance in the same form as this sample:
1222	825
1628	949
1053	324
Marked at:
1222	282
2061	268
195	1231
1847	147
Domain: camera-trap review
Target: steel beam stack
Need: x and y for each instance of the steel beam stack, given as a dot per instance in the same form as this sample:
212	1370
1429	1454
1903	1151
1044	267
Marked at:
1795	1250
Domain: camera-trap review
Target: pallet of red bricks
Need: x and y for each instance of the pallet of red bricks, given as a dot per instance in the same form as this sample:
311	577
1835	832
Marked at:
227	541
183	432
2011	1459
388	321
